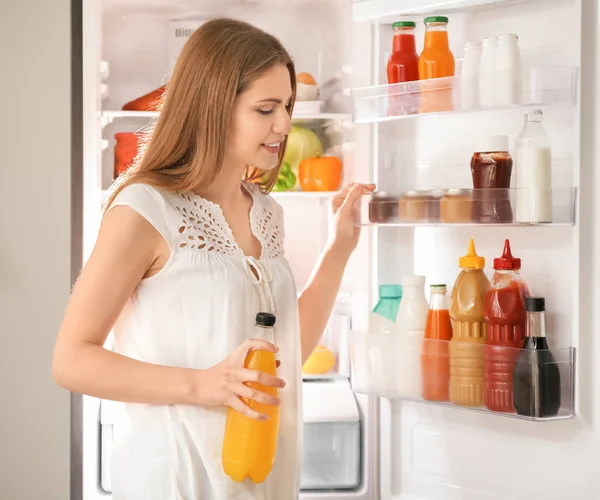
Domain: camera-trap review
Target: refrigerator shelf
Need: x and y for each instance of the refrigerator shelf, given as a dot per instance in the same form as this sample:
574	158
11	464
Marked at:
393	366
540	86
307	119
471	207
387	11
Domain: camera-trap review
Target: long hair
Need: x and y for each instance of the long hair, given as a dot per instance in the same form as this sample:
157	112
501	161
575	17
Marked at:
186	148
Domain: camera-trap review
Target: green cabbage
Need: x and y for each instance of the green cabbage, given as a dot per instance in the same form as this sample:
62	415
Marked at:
302	143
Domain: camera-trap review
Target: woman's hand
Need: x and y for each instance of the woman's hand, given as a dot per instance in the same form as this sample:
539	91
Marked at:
346	212
225	383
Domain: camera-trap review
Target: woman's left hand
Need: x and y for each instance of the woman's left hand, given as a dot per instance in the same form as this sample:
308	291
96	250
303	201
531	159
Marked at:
346	211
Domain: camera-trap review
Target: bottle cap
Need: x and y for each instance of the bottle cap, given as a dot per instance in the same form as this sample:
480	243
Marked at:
390	291
413	280
507	261
437	289
404	24
494	144
510	37
265	319
535	304
471	260
435	19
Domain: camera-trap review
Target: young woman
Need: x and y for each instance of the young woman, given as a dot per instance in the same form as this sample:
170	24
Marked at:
189	250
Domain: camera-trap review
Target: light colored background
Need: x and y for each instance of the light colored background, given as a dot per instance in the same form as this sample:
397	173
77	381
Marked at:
35	246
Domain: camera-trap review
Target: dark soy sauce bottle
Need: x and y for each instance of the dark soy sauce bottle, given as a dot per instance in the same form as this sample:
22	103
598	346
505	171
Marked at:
537	375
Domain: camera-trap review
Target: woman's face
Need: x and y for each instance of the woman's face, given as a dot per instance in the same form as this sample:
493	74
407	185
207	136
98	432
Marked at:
261	120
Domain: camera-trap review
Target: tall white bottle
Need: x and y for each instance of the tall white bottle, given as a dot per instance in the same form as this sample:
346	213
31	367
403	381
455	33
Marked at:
534	171
508	71
487	73
411	322
469	82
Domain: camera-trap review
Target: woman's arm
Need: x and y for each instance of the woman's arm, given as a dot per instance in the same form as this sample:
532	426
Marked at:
128	248
317	300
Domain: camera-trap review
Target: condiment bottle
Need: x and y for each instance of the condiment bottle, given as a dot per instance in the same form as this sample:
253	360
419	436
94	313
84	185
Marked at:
504	310
537	375
491	169
249	445
434	355
534	171
468	331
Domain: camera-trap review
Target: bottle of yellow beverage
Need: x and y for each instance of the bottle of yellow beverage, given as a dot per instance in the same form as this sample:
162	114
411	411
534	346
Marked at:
249	445
468	331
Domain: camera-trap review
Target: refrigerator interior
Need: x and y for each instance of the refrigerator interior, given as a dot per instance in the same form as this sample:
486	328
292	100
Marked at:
129	49
435	452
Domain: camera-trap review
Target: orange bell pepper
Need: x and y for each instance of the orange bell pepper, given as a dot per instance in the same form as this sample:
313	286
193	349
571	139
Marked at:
320	174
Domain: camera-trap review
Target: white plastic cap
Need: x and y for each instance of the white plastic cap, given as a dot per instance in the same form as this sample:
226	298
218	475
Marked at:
413	280
493	143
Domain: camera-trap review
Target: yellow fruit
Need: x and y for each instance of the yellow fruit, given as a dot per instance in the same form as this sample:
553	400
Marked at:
320	361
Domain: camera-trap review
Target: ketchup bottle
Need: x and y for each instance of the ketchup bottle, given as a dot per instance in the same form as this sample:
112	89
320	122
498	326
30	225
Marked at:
505	317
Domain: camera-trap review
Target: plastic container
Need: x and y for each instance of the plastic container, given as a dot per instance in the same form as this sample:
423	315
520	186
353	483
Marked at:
508	71
126	149
469	82
468	330
383	317
249	445
435	365
487	73
504	311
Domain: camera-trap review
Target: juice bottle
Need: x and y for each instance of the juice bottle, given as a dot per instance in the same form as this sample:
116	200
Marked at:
436	61
434	358
249	445
468	331
403	66
504	311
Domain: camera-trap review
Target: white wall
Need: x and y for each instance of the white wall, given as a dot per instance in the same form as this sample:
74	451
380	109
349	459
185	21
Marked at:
35	246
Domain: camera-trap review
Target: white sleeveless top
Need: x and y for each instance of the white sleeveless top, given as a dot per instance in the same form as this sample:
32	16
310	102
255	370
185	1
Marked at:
194	313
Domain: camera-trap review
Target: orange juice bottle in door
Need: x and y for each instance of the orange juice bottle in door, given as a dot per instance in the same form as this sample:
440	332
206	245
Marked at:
249	445
468	331
436	61
434	358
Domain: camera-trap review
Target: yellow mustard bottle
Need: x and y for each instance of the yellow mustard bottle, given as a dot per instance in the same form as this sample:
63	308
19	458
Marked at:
468	331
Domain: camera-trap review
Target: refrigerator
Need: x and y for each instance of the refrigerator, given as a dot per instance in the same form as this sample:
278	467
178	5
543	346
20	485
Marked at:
363	439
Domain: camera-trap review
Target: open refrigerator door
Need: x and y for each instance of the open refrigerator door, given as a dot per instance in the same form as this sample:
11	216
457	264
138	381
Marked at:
130	47
542	440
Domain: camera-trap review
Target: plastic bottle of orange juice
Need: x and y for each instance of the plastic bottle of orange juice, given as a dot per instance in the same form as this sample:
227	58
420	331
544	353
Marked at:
249	445
468	331
434	355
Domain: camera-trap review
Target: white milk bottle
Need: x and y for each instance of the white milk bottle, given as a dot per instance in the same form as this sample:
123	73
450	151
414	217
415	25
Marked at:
534	172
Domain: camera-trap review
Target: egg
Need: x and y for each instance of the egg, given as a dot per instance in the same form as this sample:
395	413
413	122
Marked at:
306	87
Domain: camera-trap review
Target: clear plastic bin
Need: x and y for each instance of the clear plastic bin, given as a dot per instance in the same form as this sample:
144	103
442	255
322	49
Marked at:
469	207
540	85
379	368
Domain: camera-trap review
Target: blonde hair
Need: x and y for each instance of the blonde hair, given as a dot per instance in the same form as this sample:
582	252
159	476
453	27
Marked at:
186	147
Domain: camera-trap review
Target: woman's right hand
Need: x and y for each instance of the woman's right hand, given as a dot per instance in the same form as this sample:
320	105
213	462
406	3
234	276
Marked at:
224	383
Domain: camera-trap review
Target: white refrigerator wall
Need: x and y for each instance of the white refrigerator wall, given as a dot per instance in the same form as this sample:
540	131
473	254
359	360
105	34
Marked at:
438	453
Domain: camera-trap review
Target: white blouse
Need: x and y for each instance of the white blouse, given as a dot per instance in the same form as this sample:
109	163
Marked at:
194	313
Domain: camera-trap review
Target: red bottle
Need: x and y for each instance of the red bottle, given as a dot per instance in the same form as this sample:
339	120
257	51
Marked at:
403	64
504	312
